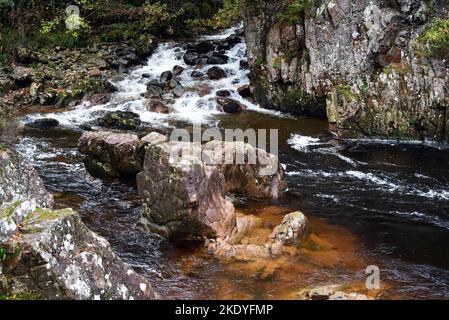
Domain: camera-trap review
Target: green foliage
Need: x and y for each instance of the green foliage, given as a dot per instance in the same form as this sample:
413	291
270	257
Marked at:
225	17
434	42
293	10
3	254
160	15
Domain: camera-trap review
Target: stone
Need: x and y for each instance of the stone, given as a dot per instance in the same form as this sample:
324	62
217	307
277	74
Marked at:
292	229
230	105
111	154
177	70
216	73
157	106
196	74
166	76
191	58
153	90
223	93
100	98
197	207
22	76
125	120
217	58
331	292
44	123
244	91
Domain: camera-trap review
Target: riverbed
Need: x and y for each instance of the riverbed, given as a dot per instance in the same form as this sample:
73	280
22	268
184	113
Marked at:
370	202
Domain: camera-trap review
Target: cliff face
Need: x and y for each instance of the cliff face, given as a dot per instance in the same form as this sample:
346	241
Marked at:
367	64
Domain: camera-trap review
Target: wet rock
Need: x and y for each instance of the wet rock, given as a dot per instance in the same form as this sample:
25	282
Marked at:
218	58
216	73
191	58
111	154
244	91
330	293
19	182
44	123
154	89
124	120
244	65
196	74
292	229
100	98
146	75
177	70
223	93
230	105
202	47
157	106
166	76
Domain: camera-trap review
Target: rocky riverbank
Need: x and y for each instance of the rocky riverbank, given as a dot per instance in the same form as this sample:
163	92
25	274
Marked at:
374	68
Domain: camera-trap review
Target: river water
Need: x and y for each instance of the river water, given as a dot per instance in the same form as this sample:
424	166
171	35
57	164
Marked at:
370	202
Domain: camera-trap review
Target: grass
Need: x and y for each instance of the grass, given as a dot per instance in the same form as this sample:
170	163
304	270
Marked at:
434	41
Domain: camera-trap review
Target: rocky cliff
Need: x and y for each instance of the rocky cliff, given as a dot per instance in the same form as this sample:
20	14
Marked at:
376	68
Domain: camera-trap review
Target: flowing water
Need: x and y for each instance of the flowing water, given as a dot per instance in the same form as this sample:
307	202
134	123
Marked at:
370	202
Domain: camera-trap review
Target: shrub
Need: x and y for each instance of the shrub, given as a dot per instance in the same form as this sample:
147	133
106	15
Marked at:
293	10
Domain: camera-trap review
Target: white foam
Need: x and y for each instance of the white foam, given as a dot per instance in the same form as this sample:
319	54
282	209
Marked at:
302	143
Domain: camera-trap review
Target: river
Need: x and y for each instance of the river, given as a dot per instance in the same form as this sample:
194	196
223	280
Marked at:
370	202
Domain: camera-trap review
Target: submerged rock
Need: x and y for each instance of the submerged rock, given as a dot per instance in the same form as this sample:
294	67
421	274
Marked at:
157	106
331	292
293	227
216	73
230	105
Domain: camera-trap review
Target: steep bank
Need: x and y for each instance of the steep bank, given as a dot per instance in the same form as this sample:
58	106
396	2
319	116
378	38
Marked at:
374	68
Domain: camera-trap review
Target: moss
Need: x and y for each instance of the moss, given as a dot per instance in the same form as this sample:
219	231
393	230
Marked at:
3	254
7	212
20	296
40	215
434	41
277	63
346	92
288	54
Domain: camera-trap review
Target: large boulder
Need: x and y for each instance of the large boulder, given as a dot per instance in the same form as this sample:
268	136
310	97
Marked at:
47	254
196	206
55	256
197	180
248	170
111	154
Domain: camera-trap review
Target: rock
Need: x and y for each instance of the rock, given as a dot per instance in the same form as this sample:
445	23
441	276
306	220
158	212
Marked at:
111	154
218	58
51	254
22	76
100	98
154	138
124	120
44	123
203	47
196	74
330	293
230	105
156	106
259	174
216	73
244	91
197	207
178	91
223	93
361	58
191	58
20	183
177	70
146	75
55	256
166	76
292	229
154	89
244	65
